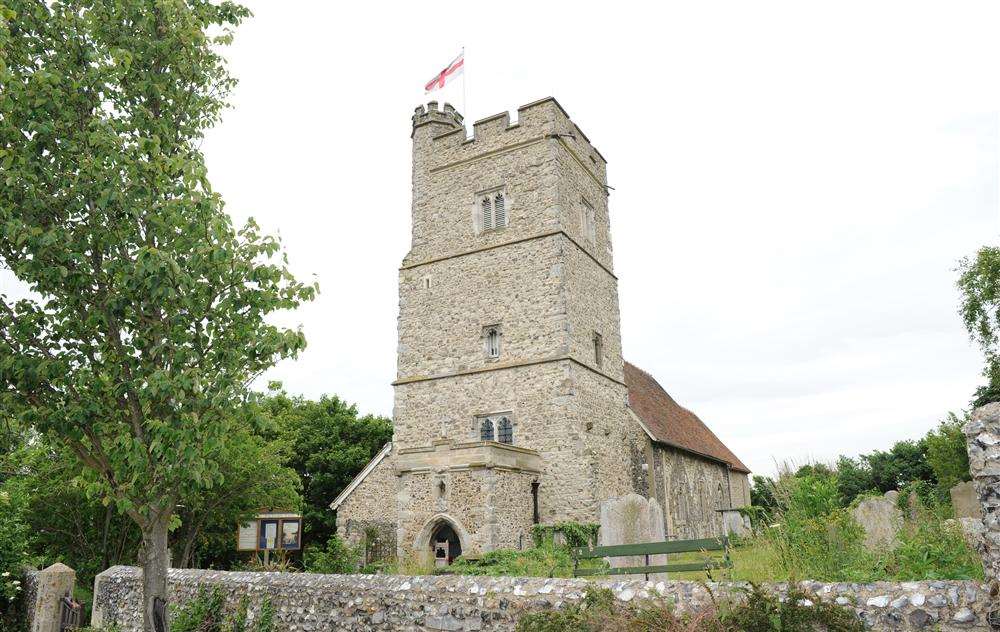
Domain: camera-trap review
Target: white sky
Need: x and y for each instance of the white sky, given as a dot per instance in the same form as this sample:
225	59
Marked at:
794	184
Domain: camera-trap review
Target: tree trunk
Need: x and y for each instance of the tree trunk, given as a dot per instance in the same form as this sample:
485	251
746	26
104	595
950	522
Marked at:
105	553
155	562
189	541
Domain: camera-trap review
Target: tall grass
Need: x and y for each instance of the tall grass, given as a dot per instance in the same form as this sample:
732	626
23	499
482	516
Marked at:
810	536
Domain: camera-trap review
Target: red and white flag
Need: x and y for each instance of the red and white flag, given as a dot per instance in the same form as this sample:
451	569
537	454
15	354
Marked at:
453	70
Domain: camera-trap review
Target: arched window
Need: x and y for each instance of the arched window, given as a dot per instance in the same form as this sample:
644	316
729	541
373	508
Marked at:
491	207
486	430
505	431
499	210
493	342
487	210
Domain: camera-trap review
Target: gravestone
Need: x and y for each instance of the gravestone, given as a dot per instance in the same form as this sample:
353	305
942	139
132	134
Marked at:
965	502
881	520
51	585
632	519
735	523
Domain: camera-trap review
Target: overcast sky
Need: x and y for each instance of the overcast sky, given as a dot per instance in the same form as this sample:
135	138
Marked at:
793	186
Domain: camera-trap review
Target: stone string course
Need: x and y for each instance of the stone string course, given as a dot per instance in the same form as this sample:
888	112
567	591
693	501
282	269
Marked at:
307	602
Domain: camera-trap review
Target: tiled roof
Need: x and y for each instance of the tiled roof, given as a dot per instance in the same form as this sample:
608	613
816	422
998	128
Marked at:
671	423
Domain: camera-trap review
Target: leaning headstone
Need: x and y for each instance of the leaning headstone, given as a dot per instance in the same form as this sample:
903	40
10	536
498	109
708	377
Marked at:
965	502
632	519
982	436
881	520
50	586
735	523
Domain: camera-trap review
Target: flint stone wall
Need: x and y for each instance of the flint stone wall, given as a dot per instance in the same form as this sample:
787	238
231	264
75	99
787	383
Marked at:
29	593
982	435
306	602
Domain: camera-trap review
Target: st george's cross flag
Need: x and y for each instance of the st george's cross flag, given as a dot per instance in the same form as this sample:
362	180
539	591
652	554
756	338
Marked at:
451	71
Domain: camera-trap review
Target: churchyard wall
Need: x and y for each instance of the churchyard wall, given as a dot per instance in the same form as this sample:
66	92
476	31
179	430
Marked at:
369	602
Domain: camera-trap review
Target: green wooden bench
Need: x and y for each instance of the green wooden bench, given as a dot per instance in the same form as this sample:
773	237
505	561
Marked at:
653	548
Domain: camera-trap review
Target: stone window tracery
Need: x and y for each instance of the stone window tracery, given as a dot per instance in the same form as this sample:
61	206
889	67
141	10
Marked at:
505	431
492	209
497	427
486	430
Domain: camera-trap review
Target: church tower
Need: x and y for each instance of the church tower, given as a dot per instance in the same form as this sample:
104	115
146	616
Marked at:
513	405
510	397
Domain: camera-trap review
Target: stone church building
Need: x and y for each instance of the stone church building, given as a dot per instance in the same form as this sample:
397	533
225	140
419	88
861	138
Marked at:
513	403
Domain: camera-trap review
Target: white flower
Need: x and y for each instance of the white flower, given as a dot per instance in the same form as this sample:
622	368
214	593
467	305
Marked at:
5	574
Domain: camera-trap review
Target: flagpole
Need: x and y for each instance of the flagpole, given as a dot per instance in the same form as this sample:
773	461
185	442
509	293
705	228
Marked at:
465	75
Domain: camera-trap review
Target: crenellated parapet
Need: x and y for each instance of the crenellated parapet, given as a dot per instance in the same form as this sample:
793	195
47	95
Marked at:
430	115
538	121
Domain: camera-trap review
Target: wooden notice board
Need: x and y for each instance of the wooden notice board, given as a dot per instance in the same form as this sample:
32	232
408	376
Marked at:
271	531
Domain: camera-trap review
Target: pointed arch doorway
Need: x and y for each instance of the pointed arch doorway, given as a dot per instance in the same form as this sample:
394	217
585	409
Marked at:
445	544
441	540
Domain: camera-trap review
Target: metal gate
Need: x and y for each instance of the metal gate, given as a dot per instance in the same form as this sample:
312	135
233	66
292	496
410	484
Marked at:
70	613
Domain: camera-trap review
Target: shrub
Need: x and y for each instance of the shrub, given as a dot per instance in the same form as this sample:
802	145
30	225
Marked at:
947	454
13	558
336	558
276	562
825	548
930	548
206	613
573	533
764	612
542	561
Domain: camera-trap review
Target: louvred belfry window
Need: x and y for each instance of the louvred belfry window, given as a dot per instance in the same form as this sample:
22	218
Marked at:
487	208
492	209
499	210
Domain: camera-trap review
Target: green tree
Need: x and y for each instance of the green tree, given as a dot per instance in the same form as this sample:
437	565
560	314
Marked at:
947	454
66	525
854	478
332	444
146	319
979	285
904	463
254	477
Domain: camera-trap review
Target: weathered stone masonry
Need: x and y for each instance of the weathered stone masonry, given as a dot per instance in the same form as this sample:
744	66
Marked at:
983	440
306	602
544	280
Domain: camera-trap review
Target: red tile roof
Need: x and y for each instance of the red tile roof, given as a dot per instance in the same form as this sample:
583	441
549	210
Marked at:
671	423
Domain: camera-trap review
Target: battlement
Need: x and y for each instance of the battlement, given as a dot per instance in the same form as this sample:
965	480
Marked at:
540	119
431	114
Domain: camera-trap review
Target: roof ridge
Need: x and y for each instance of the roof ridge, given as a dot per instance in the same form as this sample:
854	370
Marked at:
672	423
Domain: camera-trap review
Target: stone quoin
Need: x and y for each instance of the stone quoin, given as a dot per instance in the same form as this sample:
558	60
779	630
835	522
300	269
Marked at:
513	404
